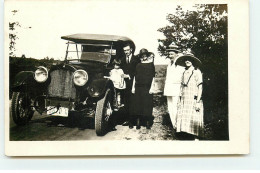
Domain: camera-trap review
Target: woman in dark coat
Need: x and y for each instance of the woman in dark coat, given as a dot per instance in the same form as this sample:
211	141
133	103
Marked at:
143	89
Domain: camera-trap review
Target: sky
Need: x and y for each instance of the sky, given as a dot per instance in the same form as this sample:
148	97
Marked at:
43	23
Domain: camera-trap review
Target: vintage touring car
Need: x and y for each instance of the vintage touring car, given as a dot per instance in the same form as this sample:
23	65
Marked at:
75	85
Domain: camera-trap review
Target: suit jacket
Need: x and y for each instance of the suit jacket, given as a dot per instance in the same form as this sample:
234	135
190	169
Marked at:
129	68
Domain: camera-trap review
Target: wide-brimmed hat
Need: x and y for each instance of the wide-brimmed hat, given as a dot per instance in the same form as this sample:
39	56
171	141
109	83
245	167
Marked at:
190	57
143	51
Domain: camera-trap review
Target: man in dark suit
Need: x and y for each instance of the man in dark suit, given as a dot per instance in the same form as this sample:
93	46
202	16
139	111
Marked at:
129	63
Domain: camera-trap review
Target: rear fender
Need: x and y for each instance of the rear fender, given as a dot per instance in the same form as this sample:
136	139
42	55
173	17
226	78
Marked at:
98	87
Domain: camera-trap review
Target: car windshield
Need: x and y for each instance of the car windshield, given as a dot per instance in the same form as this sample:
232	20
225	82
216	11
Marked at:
91	52
100	53
95	56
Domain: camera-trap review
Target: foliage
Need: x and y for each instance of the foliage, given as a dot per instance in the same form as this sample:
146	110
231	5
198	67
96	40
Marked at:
13	36
14	26
203	30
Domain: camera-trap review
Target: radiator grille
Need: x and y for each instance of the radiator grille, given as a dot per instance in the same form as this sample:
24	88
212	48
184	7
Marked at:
61	84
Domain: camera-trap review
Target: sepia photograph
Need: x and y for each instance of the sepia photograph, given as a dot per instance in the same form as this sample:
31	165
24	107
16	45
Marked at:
118	71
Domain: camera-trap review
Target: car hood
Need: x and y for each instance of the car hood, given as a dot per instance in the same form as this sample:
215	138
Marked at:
89	66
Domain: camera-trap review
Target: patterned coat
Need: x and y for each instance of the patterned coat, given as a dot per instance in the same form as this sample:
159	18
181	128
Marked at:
188	119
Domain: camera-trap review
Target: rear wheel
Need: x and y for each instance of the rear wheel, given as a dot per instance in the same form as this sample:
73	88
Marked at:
21	109
103	113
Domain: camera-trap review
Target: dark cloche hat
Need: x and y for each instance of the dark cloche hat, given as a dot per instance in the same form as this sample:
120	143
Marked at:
142	52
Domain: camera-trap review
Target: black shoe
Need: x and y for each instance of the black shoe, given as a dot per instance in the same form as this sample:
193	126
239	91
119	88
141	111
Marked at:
148	125
126	123
113	129
130	125
138	123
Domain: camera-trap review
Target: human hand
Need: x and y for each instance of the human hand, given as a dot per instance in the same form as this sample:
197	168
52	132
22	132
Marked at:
179	104
197	106
127	76
133	90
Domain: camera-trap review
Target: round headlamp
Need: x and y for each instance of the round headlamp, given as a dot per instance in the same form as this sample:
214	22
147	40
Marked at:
80	77
41	74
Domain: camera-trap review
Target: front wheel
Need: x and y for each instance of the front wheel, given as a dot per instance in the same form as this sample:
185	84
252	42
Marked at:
21	109
103	113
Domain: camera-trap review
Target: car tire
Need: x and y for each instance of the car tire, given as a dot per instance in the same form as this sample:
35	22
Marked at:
21	111
103	112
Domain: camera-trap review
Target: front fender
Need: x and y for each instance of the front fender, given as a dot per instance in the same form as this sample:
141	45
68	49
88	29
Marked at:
98	87
22	80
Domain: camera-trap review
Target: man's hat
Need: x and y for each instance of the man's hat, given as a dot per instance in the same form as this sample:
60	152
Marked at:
173	47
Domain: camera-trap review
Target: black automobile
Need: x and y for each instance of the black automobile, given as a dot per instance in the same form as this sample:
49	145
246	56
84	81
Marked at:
75	85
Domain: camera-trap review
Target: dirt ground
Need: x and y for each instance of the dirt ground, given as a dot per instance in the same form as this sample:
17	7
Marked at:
42	128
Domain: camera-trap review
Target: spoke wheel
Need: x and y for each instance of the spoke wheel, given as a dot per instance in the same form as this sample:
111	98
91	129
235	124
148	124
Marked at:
21	110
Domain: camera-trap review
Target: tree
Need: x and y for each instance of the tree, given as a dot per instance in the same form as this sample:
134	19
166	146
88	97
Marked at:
13	35
204	31
198	30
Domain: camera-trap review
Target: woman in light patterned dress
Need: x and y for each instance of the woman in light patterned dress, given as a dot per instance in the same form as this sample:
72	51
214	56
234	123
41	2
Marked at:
190	108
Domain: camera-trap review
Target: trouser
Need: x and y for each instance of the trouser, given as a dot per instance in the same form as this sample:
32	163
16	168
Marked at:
172	102
127	99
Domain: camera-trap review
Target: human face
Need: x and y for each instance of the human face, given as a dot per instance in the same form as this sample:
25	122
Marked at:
116	66
188	63
150	58
127	50
144	58
172	55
